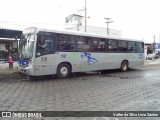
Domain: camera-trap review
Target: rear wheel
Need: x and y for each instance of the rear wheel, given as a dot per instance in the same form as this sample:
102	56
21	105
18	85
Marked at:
124	66
63	70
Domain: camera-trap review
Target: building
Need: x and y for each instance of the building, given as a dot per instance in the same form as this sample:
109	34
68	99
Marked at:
8	41
152	48
157	48
97	30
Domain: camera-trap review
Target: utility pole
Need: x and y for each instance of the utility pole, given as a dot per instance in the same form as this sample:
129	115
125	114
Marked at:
75	17
85	29
79	18
109	20
154	43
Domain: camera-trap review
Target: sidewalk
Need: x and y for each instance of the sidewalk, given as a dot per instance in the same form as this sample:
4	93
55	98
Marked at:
4	68
8	74
148	62
6	65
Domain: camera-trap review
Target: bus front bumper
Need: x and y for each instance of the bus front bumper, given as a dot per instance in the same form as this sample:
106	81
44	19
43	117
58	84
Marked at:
26	70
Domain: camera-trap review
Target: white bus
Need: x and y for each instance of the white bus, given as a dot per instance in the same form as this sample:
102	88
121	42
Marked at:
47	52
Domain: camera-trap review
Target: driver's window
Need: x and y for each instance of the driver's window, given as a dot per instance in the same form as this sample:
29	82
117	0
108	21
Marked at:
45	45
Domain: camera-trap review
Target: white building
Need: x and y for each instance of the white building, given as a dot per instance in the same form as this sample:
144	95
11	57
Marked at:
97	30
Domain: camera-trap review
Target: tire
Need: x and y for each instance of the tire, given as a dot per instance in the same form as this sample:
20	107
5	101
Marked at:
124	66
63	71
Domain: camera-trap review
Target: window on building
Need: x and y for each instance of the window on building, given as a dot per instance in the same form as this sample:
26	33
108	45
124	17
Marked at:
66	42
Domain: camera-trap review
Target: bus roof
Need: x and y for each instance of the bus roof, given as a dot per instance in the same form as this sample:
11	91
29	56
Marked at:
82	34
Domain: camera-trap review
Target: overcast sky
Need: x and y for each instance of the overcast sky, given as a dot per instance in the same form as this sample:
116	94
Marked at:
138	19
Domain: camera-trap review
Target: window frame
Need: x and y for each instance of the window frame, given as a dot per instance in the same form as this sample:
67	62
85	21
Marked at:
112	51
123	51
90	49
99	40
140	49
51	35
75	44
134	46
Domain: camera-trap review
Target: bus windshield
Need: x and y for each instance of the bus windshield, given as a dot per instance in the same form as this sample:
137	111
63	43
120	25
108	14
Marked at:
27	45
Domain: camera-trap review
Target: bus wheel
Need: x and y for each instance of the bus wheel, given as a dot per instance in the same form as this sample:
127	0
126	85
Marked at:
124	66
63	70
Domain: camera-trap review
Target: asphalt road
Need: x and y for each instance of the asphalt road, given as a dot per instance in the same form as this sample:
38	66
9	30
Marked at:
135	90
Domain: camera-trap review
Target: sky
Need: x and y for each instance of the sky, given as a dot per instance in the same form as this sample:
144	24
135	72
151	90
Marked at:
136	19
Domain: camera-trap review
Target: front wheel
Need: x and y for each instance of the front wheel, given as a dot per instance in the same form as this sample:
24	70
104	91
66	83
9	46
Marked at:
124	66
63	70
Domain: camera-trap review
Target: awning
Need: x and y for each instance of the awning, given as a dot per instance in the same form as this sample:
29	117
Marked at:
8	33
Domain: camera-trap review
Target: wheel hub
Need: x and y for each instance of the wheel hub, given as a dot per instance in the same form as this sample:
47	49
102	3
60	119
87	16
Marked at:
64	70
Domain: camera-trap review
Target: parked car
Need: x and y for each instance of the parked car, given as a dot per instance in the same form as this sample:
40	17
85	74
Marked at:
150	57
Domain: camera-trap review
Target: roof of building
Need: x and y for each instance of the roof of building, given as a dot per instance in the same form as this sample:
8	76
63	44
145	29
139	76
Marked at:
10	33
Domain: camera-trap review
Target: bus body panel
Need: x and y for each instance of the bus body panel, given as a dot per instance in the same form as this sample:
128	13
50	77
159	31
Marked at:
47	64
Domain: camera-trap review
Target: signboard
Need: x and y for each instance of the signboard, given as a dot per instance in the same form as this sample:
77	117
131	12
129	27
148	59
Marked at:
157	45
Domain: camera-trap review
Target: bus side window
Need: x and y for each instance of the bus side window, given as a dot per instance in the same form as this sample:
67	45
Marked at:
66	42
112	45
122	46
84	43
39	47
131	46
45	45
139	47
98	44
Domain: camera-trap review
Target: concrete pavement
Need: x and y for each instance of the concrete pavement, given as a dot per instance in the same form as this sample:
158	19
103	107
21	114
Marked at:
137	89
